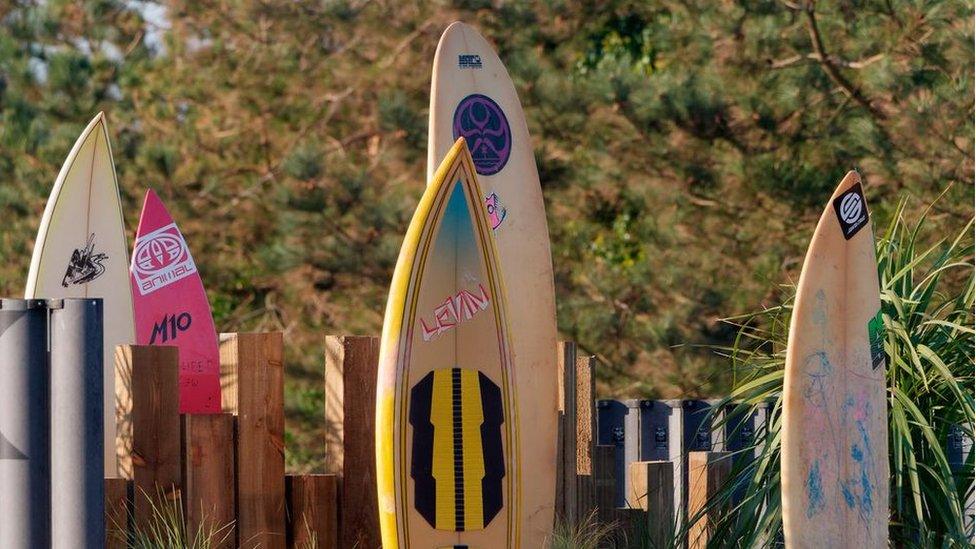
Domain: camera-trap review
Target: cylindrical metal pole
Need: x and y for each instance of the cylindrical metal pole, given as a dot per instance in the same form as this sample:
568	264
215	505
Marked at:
77	464
25	428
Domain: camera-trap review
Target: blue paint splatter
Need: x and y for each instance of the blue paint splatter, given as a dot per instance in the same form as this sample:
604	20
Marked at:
866	491
849	496
819	312
817	368
858	491
815	497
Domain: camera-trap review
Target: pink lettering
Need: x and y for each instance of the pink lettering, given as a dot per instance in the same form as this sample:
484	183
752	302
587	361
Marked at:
454	310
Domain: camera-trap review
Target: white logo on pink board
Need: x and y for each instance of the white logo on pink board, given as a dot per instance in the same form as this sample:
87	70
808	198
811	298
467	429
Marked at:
161	258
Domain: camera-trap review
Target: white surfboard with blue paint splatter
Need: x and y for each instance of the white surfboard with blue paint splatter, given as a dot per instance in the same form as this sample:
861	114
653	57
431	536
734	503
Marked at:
835	443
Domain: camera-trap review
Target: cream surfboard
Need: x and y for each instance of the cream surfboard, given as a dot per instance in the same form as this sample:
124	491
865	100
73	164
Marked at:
473	97
835	445
81	251
448	456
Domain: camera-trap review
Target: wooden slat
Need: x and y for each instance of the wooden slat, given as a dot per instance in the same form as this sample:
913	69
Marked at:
585	434
155	425
630	527
123	410
661	524
566	468
117	501
350	409
560	501
559	508
313	515
707	472
208	476
637	485
257	359
604	482
228	373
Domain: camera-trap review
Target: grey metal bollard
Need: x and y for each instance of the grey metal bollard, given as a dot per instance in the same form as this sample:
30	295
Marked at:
77	453
25	428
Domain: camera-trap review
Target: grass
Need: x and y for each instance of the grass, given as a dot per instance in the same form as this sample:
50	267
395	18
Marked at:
927	306
167	528
589	533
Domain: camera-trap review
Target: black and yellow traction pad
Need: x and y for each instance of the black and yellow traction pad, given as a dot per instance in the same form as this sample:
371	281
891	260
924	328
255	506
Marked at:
457	464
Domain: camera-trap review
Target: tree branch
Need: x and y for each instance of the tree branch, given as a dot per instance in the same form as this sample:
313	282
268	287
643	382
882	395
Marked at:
831	68
814	57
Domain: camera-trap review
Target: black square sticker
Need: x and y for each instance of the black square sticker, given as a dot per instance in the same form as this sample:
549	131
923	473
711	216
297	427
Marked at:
851	210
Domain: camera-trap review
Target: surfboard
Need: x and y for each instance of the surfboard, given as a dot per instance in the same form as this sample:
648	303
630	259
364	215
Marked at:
81	251
449	459
171	306
472	96
835	445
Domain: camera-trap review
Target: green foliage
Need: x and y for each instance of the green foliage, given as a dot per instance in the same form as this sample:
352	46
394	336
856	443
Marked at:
166	528
680	146
927	308
589	533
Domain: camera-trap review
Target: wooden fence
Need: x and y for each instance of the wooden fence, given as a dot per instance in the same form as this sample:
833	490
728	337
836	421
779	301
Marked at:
226	471
223	472
645	464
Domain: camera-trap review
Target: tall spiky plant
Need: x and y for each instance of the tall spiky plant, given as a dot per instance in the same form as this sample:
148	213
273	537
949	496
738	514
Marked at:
927	296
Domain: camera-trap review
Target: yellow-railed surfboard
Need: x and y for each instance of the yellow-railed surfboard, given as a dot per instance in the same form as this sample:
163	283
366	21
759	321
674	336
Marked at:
447	441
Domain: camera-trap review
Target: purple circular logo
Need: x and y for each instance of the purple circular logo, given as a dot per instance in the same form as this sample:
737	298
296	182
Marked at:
481	122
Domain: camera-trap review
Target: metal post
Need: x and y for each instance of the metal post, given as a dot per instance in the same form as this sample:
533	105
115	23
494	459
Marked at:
77	457
25	428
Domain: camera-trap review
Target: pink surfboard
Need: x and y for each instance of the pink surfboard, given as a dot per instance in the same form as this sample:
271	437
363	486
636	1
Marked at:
171	306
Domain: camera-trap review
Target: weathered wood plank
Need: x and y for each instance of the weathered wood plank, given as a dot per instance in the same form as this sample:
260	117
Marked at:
707	472
155	426
313	513
651	488
585	434
604	482
208	476
228	373
118	499
566	466
260	437
350	409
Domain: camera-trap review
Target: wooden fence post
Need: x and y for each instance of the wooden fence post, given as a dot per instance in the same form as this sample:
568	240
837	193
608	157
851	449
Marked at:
208	475
566	472
604	482
117	502
350	408
154	419
707	472
651	488
256	358
228	372
585	428
313	518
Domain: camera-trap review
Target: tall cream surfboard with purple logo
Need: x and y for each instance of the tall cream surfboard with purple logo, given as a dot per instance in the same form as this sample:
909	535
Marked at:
835	437
449	454
171	306
81	251
473	97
